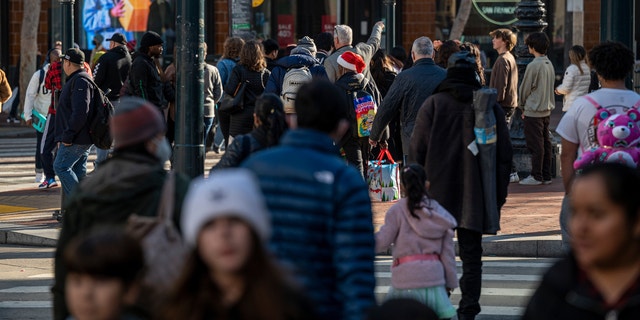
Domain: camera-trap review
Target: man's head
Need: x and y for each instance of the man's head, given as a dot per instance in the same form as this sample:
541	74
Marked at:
342	36
73	60
54	55
611	60
351	62
117	39
538	41
320	105
151	44
271	48
324	41
307	44
97	39
136	122
422	48
503	38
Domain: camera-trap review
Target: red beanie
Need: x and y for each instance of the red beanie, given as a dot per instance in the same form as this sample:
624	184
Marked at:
352	61
135	120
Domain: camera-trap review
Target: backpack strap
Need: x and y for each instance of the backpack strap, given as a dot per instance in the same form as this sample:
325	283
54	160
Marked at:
41	76
166	206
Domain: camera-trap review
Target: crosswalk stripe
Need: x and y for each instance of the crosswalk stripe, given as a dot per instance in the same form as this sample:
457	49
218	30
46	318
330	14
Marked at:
27	289
25	304
485	291
488	264
487	277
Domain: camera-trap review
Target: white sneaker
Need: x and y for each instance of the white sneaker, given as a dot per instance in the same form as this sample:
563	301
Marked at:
546	182
16	120
39	177
514	177
530	181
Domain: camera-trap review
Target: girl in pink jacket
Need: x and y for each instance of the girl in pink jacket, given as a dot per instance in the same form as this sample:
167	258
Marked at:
421	232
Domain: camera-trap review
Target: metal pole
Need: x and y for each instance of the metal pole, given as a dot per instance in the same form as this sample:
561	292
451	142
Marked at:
616	19
189	144
390	25
66	18
66	15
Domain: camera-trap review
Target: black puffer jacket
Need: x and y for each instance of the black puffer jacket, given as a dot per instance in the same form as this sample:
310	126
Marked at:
562	295
241	148
111	70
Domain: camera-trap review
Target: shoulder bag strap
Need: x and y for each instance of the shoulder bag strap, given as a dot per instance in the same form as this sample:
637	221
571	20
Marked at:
166	206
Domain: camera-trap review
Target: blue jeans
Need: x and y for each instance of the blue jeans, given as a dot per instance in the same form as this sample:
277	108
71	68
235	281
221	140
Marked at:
71	165
101	156
208	124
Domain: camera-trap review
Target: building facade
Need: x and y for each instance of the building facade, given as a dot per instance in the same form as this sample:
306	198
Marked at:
288	20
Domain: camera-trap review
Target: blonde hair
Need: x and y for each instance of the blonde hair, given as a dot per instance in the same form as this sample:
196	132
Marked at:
232	47
576	55
507	36
252	56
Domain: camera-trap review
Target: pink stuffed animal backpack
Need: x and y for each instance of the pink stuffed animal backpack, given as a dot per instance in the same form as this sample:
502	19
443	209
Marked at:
618	138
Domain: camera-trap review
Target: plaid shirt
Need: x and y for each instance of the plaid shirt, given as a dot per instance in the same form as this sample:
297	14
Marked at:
53	80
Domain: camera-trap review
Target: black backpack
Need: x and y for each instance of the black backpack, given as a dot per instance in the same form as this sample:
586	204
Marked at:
100	113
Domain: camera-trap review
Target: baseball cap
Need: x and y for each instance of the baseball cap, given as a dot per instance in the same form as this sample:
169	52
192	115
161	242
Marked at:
74	55
118	37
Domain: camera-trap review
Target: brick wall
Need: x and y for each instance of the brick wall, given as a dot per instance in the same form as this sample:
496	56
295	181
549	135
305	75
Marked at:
15	25
418	19
591	23
221	19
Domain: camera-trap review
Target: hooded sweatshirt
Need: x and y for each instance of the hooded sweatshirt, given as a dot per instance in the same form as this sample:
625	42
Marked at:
432	233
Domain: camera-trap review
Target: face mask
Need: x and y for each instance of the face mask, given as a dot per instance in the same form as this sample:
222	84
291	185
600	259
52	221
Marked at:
163	150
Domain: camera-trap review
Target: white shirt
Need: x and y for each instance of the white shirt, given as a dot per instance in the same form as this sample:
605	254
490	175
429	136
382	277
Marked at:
37	96
576	126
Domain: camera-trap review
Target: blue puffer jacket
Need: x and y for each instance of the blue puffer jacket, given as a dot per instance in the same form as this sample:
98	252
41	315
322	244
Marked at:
322	221
274	85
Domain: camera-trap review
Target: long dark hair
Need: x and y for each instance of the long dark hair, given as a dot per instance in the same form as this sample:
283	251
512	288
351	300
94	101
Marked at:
267	294
414	180
270	111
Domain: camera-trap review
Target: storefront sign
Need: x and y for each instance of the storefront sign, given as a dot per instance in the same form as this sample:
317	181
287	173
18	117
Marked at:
328	22
241	18
500	12
285	30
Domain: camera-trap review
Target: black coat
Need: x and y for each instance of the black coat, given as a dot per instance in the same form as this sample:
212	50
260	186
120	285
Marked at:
111	71
144	80
72	111
242	122
561	295
442	133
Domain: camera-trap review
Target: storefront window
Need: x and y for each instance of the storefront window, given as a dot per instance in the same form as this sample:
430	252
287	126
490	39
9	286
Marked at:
487	15
283	20
129	17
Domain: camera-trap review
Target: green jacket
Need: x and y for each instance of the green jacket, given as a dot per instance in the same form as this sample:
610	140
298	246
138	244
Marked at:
536	90
125	184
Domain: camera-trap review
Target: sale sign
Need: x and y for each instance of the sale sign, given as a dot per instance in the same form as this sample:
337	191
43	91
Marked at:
328	22
285	30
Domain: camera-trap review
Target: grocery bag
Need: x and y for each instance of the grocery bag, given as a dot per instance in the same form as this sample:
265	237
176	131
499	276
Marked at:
383	177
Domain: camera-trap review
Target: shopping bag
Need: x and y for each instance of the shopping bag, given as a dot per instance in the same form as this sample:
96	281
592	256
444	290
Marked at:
383	177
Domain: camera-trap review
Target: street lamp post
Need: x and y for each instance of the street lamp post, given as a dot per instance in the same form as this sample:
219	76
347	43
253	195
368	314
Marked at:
66	17
530	14
189	145
390	25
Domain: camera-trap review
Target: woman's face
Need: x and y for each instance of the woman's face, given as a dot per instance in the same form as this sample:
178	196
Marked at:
225	244
90	297
601	234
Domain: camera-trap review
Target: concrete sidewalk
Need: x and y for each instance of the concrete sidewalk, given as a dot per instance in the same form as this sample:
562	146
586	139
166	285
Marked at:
529	222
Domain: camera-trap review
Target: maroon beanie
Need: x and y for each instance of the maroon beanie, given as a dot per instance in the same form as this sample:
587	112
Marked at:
135	120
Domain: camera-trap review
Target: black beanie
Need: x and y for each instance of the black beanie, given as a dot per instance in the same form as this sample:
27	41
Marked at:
150	39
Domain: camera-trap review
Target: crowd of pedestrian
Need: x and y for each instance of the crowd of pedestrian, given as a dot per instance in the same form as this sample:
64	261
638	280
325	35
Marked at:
282	226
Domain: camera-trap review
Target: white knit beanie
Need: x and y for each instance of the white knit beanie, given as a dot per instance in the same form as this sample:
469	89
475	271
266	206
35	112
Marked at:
227	193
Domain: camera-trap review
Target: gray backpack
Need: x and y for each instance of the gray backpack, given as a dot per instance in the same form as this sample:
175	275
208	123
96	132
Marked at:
295	77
